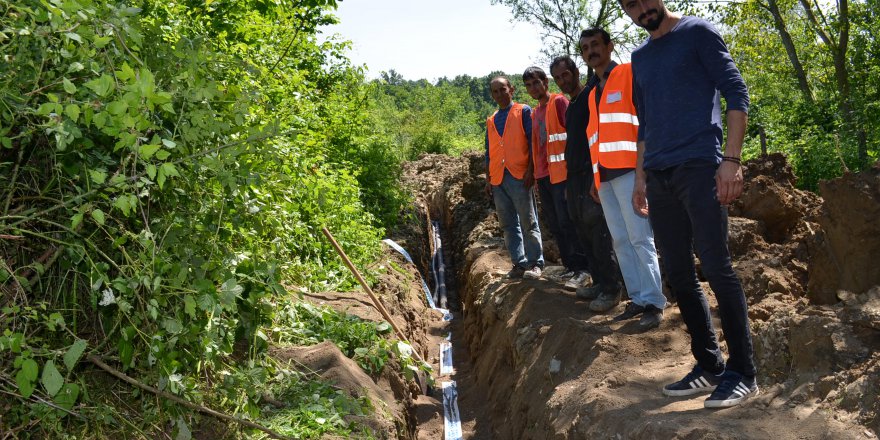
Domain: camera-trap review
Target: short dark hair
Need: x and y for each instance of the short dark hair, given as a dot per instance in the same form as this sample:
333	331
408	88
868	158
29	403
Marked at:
592	32
567	62
534	72
501	78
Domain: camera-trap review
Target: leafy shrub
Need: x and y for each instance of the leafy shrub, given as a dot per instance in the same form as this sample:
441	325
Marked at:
164	170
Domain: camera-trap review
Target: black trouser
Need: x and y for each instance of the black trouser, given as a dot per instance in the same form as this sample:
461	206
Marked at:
554	210
686	216
589	224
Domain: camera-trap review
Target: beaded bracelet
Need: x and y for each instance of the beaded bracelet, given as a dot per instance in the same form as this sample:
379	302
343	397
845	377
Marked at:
735	160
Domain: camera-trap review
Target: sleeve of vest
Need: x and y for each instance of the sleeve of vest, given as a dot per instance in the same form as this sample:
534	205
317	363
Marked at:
527	124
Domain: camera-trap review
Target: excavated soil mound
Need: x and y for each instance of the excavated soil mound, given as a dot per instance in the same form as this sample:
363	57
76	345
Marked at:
843	252
540	365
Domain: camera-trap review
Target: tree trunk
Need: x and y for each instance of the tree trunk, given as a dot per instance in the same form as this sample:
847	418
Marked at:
849	120
863	148
788	43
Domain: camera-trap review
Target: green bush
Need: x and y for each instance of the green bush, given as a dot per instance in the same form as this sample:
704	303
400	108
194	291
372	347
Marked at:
166	168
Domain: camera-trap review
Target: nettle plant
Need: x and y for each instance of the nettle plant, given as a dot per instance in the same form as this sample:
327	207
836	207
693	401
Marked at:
162	172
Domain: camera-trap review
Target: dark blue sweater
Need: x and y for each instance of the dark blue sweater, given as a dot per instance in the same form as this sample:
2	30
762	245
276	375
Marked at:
676	82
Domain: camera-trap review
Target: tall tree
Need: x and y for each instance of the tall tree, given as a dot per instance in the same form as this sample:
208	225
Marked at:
779	23
561	22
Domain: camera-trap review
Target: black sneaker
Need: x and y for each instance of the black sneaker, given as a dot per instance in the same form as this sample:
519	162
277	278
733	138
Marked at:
605	302
630	311
651	317
588	292
697	381
516	272
733	390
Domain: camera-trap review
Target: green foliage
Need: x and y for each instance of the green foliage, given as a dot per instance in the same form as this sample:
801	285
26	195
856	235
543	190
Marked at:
317	408
811	127
357	339
363	341
164	168
320	409
446	117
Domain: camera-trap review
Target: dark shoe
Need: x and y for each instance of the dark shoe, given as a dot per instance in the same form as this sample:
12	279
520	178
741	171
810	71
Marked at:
631	311
588	293
516	272
605	302
697	381
733	390
651	317
533	274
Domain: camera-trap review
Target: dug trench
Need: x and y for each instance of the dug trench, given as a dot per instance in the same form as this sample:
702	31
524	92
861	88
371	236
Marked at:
532	362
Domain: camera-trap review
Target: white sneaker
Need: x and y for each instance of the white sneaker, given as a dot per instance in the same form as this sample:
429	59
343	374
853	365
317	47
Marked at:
579	279
534	273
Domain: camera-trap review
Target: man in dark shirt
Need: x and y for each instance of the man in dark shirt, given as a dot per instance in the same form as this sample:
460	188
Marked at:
585	213
679	75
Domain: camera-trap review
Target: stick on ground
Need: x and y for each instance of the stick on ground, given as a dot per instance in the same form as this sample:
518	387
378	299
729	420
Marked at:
122	376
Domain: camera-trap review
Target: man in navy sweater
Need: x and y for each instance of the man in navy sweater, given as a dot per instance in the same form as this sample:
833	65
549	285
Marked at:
679	75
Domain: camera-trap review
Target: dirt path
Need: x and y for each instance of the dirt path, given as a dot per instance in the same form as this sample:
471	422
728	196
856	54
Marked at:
610	375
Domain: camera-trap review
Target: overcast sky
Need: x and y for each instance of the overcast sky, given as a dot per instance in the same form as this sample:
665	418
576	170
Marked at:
431	39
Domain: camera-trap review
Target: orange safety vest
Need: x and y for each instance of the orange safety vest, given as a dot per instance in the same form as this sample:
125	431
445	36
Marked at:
510	151
613	130
556	137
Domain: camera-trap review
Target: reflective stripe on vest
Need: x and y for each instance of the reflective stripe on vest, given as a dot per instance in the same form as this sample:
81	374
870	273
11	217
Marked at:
613	129
556	138
510	151
605	118
609	147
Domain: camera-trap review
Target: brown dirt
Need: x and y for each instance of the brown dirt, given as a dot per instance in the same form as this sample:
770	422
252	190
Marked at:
817	352
843	250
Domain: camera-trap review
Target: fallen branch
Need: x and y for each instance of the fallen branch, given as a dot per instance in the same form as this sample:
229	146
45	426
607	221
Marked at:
122	376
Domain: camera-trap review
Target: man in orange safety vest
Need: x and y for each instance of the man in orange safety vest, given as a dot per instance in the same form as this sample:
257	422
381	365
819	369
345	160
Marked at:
612	134
511	179
548	146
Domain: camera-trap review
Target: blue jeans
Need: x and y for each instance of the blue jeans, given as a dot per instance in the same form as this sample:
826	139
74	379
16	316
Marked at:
554	210
515	206
686	216
633	241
